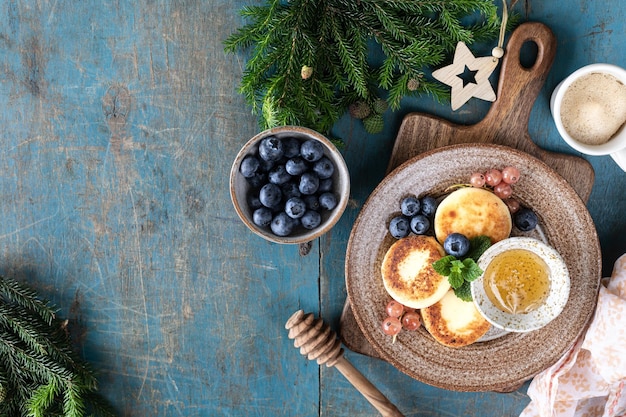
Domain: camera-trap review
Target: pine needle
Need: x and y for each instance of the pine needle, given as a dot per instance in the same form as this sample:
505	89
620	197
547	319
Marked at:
40	374
334	39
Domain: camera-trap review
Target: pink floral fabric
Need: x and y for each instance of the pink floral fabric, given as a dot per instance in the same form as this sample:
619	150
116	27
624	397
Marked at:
589	381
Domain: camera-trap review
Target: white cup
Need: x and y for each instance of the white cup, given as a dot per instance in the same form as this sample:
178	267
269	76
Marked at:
616	145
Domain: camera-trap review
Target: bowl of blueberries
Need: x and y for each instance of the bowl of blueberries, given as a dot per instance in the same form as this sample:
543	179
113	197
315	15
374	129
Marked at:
289	184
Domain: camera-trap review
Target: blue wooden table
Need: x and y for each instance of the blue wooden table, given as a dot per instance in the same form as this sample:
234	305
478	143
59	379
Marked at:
119	123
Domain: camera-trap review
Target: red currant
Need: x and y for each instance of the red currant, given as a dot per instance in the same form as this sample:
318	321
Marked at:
392	326
503	190
394	309
512	204
477	180
510	175
411	321
493	177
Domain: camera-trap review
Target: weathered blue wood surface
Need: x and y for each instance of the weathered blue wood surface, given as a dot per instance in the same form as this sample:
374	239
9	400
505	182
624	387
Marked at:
119	121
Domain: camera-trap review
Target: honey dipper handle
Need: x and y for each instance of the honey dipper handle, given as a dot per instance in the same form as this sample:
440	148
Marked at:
318	342
365	387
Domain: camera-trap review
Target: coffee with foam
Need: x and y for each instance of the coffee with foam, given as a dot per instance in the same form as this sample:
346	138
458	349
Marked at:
593	109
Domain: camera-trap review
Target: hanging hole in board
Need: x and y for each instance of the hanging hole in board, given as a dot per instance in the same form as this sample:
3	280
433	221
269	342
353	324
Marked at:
528	54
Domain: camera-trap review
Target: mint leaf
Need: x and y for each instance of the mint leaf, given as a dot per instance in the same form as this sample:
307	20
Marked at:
464	292
478	245
442	266
457	267
455	279
471	270
459	273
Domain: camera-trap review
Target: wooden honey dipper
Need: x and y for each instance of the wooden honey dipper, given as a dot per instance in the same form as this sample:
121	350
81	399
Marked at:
318	342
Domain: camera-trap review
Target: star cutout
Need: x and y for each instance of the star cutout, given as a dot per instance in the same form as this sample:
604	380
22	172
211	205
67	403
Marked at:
468	76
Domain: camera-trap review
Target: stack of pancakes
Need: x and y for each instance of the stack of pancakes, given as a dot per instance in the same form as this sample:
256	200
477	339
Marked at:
408	275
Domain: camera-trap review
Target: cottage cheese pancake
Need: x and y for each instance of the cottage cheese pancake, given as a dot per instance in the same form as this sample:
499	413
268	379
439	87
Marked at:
454	322
408	275
473	212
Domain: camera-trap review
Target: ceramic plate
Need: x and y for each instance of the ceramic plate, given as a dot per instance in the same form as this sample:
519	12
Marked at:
505	362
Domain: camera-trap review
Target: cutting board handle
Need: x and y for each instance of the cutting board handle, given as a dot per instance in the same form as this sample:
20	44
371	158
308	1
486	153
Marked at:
519	85
506	122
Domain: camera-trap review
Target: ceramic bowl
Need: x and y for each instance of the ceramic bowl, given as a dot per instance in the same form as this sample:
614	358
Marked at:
553	305
240	188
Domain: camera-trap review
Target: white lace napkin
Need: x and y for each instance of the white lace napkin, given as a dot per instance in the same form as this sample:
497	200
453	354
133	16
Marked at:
589	380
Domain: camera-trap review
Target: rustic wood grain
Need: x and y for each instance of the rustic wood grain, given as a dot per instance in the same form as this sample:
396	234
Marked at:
120	121
129	229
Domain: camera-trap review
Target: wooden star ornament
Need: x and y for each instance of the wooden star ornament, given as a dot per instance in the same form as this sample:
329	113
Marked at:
468	76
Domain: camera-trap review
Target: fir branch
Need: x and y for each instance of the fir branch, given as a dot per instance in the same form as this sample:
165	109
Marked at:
398	90
351	61
435	90
331	38
26	364
24	326
14	292
42	398
73	405
40	374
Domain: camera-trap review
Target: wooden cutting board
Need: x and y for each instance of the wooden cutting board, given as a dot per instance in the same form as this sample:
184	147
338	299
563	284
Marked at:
506	123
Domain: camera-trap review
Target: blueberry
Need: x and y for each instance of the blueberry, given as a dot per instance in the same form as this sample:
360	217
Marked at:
249	166
328	201
296	166
257	180
295	207
254	202
420	224
311	219
282	224
325	185
270	195
429	206
456	245
525	219
309	183
410	206
312	150
290	189
278	207
271	149
399	227
291	147
266	165
312	202
278	175
324	168
262	217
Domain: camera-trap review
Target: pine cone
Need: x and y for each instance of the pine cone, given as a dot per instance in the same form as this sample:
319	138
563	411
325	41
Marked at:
413	84
374	123
380	106
359	110
306	72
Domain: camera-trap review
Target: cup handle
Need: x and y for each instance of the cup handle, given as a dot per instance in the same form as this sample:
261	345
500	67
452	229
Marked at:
620	158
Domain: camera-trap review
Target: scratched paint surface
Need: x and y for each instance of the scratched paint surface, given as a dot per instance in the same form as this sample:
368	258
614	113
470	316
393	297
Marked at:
119	121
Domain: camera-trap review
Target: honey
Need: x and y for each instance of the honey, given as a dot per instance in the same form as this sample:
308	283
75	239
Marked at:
517	281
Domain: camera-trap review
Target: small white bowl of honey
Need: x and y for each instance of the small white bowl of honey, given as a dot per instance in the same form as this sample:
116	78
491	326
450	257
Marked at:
524	286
